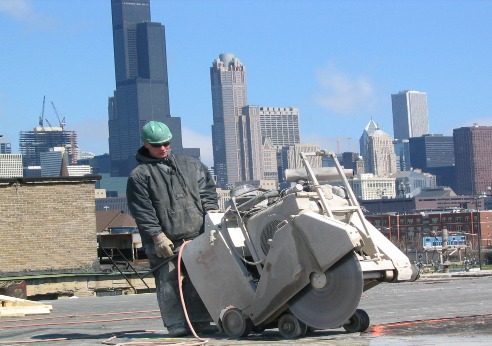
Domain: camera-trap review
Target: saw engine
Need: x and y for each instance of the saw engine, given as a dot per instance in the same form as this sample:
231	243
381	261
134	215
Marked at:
297	259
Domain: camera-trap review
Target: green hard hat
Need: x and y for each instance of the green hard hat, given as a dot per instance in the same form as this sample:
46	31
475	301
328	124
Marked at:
155	132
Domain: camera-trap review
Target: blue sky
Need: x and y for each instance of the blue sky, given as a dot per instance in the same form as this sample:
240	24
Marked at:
337	61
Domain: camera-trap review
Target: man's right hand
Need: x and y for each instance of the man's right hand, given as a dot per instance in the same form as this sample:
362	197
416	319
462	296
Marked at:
163	246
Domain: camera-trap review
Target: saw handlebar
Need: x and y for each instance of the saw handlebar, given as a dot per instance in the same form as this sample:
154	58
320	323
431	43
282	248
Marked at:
257	199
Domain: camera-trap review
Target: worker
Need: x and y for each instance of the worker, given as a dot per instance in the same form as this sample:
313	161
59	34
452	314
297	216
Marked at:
169	195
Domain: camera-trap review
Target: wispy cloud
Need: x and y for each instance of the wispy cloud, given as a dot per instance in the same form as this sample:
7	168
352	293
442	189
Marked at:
17	9
23	11
341	93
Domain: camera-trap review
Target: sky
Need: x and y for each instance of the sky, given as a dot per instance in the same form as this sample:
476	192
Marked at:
337	61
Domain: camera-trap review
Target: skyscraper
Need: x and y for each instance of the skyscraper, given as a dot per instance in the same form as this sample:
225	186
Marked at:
402	151
380	154
350	160
142	92
410	117
244	136
368	131
280	124
279	127
228	86
291	156
5	146
472	153
269	162
431	150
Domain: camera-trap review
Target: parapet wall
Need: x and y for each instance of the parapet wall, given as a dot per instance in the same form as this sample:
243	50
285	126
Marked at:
47	225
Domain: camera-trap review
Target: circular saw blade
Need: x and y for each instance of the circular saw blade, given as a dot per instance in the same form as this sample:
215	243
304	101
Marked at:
332	305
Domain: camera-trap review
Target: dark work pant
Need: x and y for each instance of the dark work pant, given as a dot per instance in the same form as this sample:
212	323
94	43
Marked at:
167	290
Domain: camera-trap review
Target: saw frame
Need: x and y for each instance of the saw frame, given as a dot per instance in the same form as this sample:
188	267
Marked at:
296	259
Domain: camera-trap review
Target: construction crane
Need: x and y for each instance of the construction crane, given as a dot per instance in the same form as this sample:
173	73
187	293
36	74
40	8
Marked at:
338	139
41	117
62	121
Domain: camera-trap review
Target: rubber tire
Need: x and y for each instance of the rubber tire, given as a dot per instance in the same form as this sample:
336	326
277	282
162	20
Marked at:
358	323
290	327
235	324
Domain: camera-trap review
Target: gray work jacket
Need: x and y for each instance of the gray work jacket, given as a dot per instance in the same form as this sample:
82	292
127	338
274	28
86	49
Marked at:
171	195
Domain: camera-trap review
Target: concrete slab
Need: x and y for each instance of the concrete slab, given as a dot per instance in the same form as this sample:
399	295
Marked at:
436	310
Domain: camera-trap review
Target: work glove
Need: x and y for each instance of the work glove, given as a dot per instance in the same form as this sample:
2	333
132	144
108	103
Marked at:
163	246
213	211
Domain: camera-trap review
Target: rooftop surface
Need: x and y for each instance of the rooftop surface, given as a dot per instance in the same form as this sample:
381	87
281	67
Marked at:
437	309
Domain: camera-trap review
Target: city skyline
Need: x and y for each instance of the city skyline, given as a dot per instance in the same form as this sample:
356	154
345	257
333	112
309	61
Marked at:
337	62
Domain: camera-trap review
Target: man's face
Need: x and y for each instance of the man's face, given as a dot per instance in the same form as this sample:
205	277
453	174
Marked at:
159	151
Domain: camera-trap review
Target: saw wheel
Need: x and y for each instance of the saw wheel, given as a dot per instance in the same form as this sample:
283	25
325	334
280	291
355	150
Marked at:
235	324
332	297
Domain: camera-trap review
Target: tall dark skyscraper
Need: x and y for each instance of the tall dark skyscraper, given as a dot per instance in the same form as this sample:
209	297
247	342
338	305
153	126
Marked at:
142	92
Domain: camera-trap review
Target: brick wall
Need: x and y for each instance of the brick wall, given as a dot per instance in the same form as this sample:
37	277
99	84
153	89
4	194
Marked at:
47	225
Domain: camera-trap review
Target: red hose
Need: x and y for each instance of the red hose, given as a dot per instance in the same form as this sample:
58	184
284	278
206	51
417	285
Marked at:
180	283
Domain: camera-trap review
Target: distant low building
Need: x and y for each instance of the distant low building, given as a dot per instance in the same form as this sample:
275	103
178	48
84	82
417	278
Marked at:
79	170
409	181
112	203
368	187
118	236
412	231
114	186
11	165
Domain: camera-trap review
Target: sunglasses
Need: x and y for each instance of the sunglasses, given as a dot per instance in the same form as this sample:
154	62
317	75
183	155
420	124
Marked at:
158	145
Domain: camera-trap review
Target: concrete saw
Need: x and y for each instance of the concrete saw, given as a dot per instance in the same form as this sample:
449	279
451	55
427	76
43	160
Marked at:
292	259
